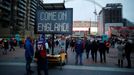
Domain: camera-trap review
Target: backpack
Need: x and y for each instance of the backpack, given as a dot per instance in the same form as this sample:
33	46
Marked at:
42	50
107	44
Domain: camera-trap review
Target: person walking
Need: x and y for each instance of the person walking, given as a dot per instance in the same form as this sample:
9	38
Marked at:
1	43
88	48
6	46
128	49
121	51
62	44
12	45
94	49
79	51
107	44
102	51
29	53
67	44
20	43
72	44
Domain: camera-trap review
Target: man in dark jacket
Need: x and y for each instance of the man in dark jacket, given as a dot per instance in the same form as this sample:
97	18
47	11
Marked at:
88	48
102	50
79	51
94	50
128	49
29	52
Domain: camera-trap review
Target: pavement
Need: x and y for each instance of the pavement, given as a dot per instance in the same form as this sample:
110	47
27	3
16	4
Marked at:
14	63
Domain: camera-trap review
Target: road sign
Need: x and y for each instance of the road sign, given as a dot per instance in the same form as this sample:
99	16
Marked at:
54	21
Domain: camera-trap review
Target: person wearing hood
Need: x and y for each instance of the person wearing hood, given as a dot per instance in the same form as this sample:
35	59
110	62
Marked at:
29	53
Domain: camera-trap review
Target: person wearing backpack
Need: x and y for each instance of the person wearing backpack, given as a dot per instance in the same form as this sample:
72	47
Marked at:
79	51
11	45
29	52
41	56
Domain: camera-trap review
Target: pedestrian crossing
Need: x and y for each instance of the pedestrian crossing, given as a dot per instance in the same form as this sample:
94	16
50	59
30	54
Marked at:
74	67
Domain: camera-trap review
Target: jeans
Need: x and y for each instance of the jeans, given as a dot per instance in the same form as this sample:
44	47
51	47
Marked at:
78	55
28	65
42	65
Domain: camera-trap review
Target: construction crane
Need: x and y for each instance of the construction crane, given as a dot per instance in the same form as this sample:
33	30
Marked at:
92	1
64	1
95	3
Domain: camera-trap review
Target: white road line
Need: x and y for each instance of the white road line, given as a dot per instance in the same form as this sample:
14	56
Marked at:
15	64
98	68
75	67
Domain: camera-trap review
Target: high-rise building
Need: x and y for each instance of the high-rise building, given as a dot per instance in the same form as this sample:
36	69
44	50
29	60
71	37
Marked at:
111	15
31	14
5	15
18	16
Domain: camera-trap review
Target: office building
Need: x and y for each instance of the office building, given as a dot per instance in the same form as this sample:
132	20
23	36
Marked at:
111	15
5	16
18	17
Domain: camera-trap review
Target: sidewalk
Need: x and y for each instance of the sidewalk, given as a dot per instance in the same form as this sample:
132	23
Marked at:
111	58
13	56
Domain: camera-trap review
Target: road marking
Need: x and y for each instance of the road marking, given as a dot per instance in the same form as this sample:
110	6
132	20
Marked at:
98	68
75	67
15	64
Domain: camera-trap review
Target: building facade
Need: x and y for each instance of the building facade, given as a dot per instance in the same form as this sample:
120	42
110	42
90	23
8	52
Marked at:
18	17
83	28
111	15
5	15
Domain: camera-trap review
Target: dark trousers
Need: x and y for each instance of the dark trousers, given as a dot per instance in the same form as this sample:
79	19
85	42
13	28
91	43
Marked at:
102	57
120	63
87	54
12	48
94	55
128	60
42	66
107	49
28	65
78	57
5	51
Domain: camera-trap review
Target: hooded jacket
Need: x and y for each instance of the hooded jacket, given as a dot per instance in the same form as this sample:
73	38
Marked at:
29	51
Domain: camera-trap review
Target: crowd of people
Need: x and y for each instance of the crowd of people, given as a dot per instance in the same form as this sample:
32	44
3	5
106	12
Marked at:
9	45
77	45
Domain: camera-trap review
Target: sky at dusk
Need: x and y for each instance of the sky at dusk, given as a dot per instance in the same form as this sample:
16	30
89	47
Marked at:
83	9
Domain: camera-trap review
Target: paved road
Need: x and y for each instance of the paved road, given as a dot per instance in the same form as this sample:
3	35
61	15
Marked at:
19	69
18	56
14	63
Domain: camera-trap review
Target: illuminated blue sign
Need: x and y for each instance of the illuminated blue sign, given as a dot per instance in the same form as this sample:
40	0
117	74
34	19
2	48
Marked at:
54	21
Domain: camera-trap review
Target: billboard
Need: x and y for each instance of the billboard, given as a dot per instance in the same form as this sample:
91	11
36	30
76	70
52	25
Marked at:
122	31
54	21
